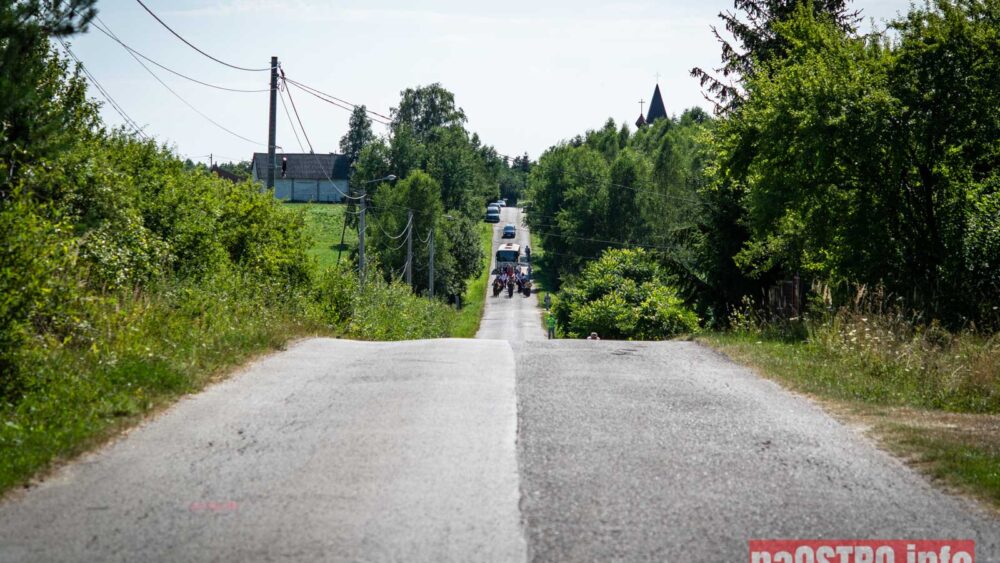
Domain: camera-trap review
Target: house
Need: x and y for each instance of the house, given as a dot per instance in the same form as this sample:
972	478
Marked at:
224	174
305	176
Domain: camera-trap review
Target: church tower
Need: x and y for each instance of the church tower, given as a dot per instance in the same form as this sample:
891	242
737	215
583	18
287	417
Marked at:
656	108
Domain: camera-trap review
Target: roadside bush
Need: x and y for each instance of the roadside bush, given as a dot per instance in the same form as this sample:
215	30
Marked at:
35	261
623	295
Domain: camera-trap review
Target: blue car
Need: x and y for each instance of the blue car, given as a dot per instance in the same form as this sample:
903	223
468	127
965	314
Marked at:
509	231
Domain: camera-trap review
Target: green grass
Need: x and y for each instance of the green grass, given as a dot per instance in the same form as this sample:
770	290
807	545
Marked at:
325	226
145	351
967	461
466	325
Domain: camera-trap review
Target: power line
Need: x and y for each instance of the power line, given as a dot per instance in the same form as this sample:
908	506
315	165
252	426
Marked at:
299	119
107	96
189	44
331	96
181	98
170	70
409	223
290	122
336	101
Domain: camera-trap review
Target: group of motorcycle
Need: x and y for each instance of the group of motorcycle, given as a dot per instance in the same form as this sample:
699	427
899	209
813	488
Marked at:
507	279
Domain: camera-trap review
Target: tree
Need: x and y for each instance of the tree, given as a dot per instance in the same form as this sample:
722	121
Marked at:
461	171
424	108
755	42
421	194
875	163
36	106
359	134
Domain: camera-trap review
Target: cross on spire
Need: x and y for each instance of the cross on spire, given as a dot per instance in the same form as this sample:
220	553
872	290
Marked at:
657	77
641	106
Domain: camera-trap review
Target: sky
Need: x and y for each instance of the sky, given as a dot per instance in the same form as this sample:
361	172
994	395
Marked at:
528	74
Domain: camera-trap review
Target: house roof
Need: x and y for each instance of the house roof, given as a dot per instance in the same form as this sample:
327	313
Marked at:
656	107
305	166
225	174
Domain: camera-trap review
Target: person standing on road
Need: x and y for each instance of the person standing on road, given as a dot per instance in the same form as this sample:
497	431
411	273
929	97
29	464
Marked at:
550	321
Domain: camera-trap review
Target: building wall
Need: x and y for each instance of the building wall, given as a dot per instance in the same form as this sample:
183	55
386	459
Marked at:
289	189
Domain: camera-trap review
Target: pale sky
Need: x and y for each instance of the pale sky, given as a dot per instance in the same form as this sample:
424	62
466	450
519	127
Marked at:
527	74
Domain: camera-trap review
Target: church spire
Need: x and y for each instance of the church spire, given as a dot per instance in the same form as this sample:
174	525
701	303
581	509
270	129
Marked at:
656	108
641	122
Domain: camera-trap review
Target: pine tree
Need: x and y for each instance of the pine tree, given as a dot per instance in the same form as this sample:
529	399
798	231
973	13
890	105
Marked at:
754	41
359	134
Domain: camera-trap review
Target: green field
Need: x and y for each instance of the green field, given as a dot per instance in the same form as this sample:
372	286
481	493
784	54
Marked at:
325	227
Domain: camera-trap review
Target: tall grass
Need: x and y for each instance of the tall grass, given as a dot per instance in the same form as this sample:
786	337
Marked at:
141	350
875	354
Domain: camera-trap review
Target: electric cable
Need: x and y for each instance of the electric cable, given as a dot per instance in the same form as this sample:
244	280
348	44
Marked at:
170	70
290	122
299	119
189	44
104	93
318	92
188	104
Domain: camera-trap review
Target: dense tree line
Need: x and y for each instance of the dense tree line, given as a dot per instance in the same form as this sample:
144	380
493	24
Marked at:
446	177
845	158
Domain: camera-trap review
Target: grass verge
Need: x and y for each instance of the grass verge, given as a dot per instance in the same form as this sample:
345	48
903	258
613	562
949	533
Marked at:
959	450
145	352
466	324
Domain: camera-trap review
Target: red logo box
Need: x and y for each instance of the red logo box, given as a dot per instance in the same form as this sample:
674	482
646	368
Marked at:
862	551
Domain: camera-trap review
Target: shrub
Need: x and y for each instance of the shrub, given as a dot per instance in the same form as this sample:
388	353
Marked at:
623	295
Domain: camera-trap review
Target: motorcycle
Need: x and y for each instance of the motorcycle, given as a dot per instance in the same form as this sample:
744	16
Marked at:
510	289
497	286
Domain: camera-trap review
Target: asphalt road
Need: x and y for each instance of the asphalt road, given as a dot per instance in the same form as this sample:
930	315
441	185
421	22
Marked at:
669	452
510	318
331	451
505	448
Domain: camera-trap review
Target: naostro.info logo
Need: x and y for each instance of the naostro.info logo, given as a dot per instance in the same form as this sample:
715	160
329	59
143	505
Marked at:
862	551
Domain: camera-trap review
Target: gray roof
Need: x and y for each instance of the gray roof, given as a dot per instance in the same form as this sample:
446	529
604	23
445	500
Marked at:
305	166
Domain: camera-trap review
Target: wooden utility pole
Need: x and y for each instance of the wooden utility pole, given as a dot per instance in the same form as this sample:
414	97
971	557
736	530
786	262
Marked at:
409	247
430	275
361	239
272	124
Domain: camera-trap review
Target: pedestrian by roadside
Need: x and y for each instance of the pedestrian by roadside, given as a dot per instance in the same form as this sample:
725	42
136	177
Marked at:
548	301
550	321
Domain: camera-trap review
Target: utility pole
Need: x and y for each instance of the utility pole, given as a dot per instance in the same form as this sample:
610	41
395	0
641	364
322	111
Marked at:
211	161
409	247
430	275
361	239
272	124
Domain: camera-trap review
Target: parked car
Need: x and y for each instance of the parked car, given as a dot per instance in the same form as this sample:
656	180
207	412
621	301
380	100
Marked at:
493	207
492	215
509	231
